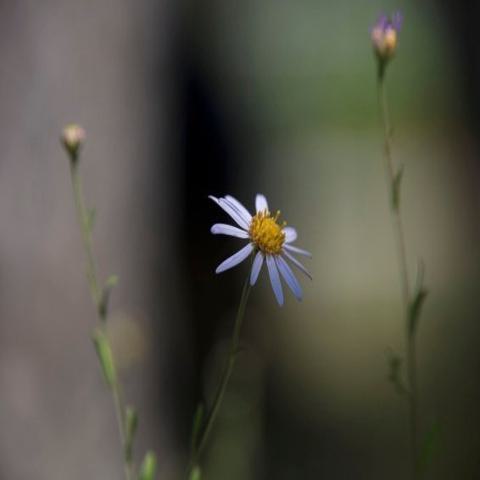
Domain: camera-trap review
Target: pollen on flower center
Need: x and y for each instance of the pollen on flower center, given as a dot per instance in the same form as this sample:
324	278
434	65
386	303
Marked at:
266	233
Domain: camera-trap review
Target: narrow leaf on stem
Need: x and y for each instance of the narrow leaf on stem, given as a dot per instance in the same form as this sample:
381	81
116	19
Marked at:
415	307
196	474
396	187
131	423
105	296
104	353
149	465
395	363
415	310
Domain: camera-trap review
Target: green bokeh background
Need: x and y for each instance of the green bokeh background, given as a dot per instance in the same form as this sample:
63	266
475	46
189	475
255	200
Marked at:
301	76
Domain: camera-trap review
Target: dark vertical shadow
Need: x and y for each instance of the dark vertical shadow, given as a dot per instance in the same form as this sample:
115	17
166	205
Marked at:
205	165
462	21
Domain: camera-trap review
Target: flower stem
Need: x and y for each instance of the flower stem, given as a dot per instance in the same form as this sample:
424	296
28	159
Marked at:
85	222
85	230
222	385
393	176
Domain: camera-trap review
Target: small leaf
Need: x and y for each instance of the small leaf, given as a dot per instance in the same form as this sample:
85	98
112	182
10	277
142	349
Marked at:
104	299
112	281
395	372
396	187
131	423
197	425
415	310
196	474
105	356
149	465
419	297
429	445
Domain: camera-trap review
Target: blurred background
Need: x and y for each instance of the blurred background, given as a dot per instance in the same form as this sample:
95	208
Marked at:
182	99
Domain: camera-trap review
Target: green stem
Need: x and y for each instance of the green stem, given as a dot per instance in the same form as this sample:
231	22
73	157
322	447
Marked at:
86	231
227	373
85	226
392	178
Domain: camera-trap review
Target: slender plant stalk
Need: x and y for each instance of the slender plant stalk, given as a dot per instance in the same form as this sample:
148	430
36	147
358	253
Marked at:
393	176
199	447
86	228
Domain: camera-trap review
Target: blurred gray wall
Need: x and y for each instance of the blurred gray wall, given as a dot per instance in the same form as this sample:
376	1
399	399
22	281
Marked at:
102	64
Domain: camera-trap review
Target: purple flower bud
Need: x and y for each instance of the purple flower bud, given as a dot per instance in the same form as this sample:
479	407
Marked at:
384	35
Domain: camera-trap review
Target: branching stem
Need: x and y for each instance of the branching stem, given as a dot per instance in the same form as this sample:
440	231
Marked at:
85	222
393	181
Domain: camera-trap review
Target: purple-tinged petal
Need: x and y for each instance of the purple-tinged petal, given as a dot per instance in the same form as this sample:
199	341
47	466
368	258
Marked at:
235	259
246	215
289	277
224	229
261	203
397	21
243	220
275	279
294	249
233	212
382	22
256	267
297	264
290	234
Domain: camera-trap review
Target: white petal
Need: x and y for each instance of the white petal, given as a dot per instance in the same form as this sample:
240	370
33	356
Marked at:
223	229
261	203
233	212
242	210
256	267
293	249
290	234
275	279
289	277
235	259
297	264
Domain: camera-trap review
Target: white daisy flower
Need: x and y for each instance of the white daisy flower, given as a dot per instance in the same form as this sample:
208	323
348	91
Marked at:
268	240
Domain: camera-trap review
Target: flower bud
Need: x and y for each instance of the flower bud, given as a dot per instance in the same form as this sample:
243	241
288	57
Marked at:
73	136
384	35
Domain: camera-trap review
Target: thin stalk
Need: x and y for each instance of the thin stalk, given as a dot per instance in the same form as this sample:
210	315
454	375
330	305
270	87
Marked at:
394	186
85	226
227	373
86	231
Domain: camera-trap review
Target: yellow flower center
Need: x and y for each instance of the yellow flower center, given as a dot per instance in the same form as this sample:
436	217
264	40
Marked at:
266	233
390	41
